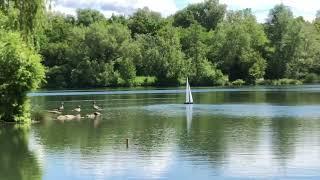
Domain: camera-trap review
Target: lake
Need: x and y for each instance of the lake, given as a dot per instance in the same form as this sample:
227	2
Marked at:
229	133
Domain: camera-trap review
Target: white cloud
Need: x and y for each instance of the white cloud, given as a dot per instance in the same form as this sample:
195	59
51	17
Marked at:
305	8
107	7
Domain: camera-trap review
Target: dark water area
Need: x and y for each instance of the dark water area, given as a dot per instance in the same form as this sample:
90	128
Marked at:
229	133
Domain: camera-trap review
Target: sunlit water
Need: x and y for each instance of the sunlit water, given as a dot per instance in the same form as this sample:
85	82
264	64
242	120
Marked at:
240	133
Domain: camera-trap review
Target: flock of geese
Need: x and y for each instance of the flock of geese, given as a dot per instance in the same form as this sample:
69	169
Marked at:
60	109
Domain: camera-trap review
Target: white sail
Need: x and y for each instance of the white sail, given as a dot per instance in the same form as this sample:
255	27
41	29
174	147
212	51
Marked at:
187	91
189	99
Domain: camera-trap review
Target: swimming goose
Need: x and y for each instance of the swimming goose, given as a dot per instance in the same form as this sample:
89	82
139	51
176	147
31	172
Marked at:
78	109
96	107
61	108
58	110
68	117
55	112
93	116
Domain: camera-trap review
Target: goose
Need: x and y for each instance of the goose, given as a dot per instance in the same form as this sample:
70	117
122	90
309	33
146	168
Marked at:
58	110
68	117
96	107
78	109
93	116
61	108
55	112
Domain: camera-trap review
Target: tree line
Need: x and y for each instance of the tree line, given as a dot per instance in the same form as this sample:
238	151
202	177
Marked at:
204	41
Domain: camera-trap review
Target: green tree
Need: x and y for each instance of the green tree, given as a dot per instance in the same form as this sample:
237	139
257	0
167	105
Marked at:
59	48
127	71
84	75
284	33
87	17
55	44
163	57
145	21
28	17
237	45
202	71
208	14
307	53
106	42
120	19
21	71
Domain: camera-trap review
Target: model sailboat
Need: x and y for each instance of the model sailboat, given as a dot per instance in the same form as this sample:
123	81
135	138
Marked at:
189	99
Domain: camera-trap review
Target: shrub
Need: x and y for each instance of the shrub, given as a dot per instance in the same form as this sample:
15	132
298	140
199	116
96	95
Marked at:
288	82
311	78
238	82
279	82
144	81
20	71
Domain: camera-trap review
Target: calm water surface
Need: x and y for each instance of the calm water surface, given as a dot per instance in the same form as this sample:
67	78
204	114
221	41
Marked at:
244	133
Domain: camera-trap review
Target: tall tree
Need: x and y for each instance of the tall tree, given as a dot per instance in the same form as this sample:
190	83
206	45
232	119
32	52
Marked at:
145	21
87	17
29	18
306	62
283	30
21	71
162	56
237	45
208	14
202	71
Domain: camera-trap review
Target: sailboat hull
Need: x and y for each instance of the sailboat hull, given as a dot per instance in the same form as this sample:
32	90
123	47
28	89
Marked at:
188	103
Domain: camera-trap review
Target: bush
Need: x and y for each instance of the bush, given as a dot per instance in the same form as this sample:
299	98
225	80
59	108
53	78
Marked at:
127	71
207	74
312	78
20	71
261	82
144	81
279	82
57	77
288	82
238	82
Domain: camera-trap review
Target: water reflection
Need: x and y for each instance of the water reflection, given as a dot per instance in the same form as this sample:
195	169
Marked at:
16	160
189	110
248	135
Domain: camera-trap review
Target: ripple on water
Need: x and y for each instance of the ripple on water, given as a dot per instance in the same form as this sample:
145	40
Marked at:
241	110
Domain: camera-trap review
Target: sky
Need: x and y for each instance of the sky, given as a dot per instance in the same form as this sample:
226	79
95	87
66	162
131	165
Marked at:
305	8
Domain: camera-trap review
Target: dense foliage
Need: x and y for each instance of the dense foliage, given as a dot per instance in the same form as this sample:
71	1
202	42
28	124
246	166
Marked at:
204	41
20	65
21	71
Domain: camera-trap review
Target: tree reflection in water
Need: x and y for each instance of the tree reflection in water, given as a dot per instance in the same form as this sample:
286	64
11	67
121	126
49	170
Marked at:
17	162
